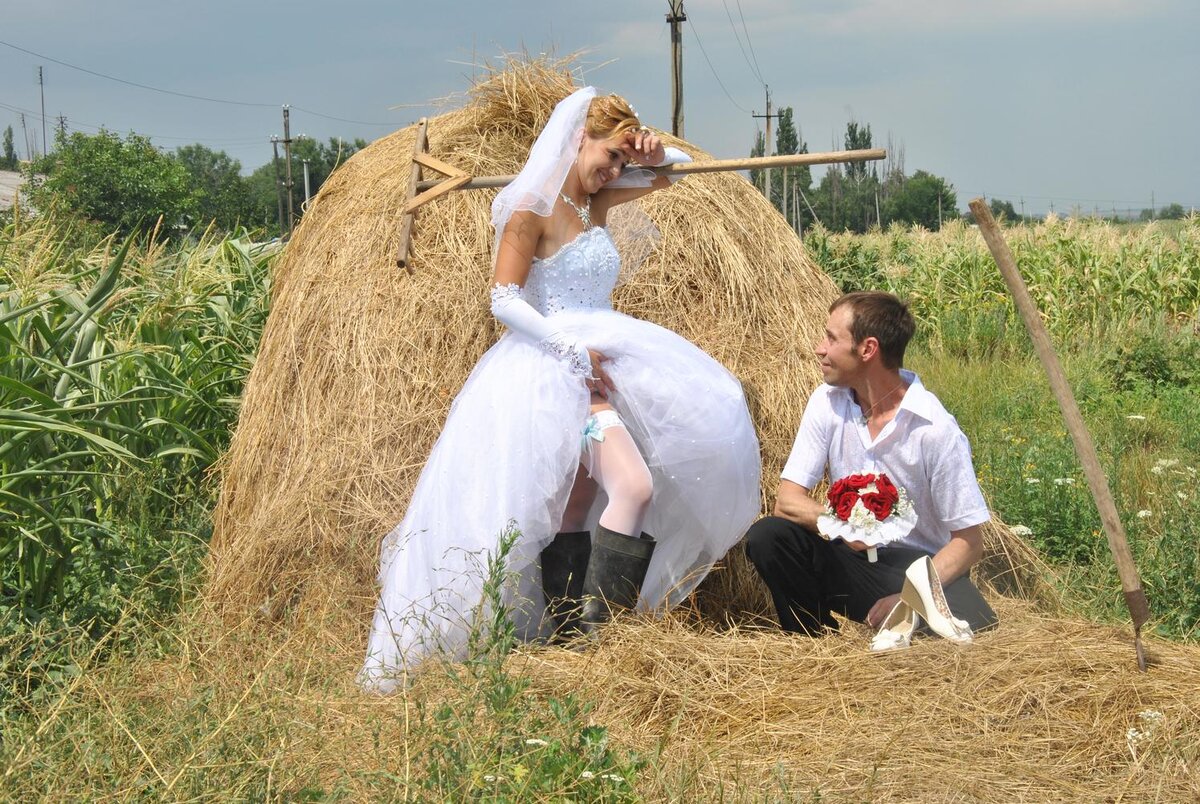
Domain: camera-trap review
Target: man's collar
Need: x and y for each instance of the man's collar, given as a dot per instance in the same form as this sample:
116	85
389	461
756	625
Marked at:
917	399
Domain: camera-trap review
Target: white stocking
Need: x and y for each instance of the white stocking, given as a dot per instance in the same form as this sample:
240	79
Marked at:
613	461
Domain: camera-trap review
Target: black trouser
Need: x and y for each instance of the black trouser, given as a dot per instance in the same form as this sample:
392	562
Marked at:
810	577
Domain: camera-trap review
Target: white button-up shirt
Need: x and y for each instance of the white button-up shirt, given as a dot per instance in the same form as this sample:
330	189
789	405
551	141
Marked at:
921	449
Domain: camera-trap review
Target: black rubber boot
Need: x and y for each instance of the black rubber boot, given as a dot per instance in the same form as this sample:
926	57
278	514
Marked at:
614	575
564	564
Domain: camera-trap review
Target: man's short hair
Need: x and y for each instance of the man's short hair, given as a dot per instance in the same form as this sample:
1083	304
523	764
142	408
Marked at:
881	316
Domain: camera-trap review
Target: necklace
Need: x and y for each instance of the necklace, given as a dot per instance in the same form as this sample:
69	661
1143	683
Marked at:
866	414
584	212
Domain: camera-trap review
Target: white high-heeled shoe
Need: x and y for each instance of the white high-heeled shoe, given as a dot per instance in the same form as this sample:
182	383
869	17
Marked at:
923	591
896	631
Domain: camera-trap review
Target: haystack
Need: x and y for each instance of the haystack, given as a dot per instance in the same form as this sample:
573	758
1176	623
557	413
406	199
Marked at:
359	361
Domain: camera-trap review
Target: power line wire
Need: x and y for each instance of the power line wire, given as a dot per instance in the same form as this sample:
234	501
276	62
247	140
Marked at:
753	55
81	124
184	94
742	47
714	69
135	83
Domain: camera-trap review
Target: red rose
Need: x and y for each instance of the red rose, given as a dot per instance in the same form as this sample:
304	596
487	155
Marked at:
842	497
885	486
859	482
845	505
878	504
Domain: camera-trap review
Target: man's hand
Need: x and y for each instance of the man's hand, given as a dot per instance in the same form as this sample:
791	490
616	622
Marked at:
794	502
881	609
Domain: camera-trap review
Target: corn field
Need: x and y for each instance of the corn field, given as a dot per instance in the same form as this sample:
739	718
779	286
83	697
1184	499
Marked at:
1087	276
121	365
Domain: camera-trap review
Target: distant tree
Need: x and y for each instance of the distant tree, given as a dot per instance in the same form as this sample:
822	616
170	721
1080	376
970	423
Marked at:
849	198
323	158
919	199
125	184
8	161
759	149
799	178
858	138
222	195
1002	211
1171	212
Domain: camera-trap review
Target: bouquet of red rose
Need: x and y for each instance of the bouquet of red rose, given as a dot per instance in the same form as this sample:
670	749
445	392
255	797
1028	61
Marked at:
867	507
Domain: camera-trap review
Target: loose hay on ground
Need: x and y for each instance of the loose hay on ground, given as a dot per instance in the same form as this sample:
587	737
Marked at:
1038	710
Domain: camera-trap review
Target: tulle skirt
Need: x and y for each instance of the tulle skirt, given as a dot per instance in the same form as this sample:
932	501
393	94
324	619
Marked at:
508	456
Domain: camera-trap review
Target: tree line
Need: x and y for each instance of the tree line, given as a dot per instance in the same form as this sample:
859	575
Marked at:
855	196
859	195
127	184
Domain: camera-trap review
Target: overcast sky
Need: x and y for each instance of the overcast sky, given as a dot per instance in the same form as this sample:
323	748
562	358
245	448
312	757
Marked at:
1077	102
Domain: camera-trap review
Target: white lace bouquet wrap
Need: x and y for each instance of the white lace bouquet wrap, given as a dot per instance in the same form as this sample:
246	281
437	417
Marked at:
867	507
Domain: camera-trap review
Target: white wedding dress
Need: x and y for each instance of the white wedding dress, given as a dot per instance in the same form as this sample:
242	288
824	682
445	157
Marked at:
510	450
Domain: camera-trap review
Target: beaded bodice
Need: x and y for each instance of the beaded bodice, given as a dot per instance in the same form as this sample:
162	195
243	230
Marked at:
579	276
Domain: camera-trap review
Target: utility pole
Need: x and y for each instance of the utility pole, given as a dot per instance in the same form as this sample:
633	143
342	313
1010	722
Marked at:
42	89
307	191
287	167
62	125
767	145
278	181
675	20
25	131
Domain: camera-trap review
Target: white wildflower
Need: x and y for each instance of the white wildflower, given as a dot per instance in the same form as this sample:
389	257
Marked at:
612	777
1021	530
536	741
1145	513
1181	495
1151	717
488	777
1163	464
587	775
1033	481
1064	481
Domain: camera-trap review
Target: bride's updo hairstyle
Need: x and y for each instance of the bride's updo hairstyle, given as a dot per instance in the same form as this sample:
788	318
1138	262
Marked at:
610	116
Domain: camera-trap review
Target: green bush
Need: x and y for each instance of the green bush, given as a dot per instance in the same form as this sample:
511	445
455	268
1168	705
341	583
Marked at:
126	184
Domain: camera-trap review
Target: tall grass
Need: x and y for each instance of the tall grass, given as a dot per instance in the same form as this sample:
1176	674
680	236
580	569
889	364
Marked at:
121	365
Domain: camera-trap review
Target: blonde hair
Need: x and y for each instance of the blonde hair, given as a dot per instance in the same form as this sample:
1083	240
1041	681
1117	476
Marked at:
610	116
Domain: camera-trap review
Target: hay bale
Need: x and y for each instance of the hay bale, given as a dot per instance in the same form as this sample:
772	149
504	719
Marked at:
359	362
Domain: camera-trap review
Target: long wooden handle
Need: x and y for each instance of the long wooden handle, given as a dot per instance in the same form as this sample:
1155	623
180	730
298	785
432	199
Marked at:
420	145
714	166
1114	531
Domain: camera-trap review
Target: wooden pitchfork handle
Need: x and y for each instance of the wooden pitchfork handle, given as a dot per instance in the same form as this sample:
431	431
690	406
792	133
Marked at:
1114	531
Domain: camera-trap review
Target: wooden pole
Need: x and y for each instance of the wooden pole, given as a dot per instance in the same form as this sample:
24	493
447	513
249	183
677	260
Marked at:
715	166
419	147
287	168
1135	596
675	20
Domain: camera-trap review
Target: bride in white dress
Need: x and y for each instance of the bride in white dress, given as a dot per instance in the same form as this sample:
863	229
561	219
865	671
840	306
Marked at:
585	428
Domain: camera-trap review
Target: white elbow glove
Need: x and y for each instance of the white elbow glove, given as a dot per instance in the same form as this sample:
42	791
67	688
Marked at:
641	177
519	316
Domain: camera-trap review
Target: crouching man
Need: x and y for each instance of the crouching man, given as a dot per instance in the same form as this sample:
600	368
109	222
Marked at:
872	415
